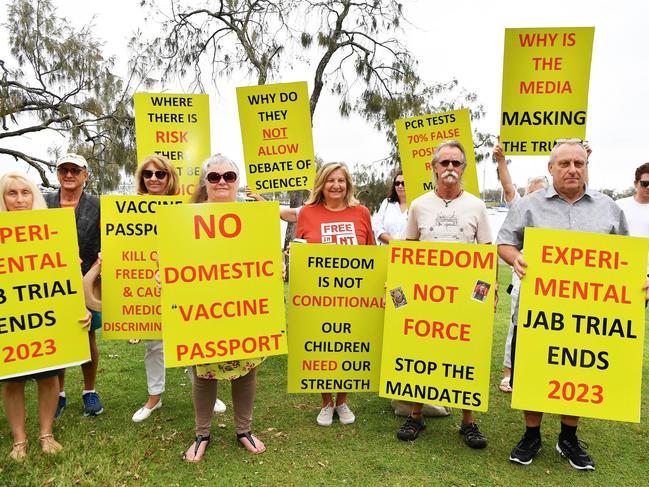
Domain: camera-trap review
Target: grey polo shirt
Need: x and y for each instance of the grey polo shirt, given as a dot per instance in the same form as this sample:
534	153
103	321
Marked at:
593	212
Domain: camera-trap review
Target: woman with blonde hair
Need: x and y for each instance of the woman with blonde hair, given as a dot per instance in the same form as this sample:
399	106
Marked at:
331	201
18	193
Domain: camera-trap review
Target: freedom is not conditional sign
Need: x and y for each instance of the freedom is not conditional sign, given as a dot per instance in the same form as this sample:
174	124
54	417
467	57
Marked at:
276	134
222	292
41	296
177	127
418	137
129	251
581	325
438	323
546	73
335	315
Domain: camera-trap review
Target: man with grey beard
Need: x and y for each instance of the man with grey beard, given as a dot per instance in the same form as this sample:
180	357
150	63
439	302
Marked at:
447	214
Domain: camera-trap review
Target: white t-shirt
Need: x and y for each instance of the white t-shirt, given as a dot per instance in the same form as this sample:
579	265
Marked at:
463	219
389	219
637	216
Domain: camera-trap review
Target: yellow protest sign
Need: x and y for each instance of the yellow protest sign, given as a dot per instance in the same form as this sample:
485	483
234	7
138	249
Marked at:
418	137
41	296
581	325
222	289
177	127
546	72
129	253
276	134
335	316
438	322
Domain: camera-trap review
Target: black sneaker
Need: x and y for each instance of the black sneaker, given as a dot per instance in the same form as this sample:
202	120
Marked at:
573	450
472	436
525	451
410	429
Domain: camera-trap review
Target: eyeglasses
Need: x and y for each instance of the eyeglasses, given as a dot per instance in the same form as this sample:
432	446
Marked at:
446	162
75	171
215	177
399	183
644	184
582	143
148	174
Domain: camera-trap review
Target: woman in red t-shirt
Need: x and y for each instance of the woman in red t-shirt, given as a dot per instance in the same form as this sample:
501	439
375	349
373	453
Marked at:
333	215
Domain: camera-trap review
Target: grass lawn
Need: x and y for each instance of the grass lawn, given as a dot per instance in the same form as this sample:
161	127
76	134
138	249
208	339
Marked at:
111	450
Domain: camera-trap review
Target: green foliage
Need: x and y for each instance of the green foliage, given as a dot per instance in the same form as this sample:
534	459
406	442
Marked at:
63	83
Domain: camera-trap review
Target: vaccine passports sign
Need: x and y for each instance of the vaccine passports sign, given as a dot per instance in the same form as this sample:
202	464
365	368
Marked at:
546	73
41	296
276	134
129	252
222	288
176	127
581	325
418	137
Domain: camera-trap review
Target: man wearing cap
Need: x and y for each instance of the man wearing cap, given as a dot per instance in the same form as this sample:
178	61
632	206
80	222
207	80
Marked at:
567	204
72	172
447	214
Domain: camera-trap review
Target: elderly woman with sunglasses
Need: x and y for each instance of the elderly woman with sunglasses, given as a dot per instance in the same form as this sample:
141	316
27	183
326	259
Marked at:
390	221
332	200
219	183
18	193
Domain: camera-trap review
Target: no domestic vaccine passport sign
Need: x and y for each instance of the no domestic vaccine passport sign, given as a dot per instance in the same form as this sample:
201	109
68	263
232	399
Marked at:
222	289
581	325
438	323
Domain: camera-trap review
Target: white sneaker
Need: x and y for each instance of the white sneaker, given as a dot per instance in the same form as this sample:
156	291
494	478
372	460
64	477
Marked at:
219	406
144	412
326	416
345	414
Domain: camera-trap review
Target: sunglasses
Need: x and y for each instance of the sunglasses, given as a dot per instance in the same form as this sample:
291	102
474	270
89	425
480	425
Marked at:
644	184
215	177
148	174
446	162
75	171
399	183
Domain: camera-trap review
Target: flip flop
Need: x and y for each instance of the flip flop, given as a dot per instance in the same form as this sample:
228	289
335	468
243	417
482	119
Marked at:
200	439
253	444
504	385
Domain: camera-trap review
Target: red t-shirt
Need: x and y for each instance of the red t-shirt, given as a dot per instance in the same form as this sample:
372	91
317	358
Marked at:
351	226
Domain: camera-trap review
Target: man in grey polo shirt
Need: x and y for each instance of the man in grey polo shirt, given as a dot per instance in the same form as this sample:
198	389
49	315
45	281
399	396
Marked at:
567	204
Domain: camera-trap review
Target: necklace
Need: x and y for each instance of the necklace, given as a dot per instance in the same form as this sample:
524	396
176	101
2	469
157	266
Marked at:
448	202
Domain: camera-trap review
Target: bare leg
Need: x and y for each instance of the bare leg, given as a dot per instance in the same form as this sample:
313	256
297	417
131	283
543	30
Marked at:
13	397
327	399
570	420
467	416
533	418
48	396
341	398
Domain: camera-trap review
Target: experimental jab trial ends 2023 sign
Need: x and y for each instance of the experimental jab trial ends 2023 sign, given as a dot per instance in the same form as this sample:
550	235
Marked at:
41	297
222	292
581	325
438	323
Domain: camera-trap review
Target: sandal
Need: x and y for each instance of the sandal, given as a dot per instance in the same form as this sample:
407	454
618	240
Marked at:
49	445
504	385
19	451
200	439
249	441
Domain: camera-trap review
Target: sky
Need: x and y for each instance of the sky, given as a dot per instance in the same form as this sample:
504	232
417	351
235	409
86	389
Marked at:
464	40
